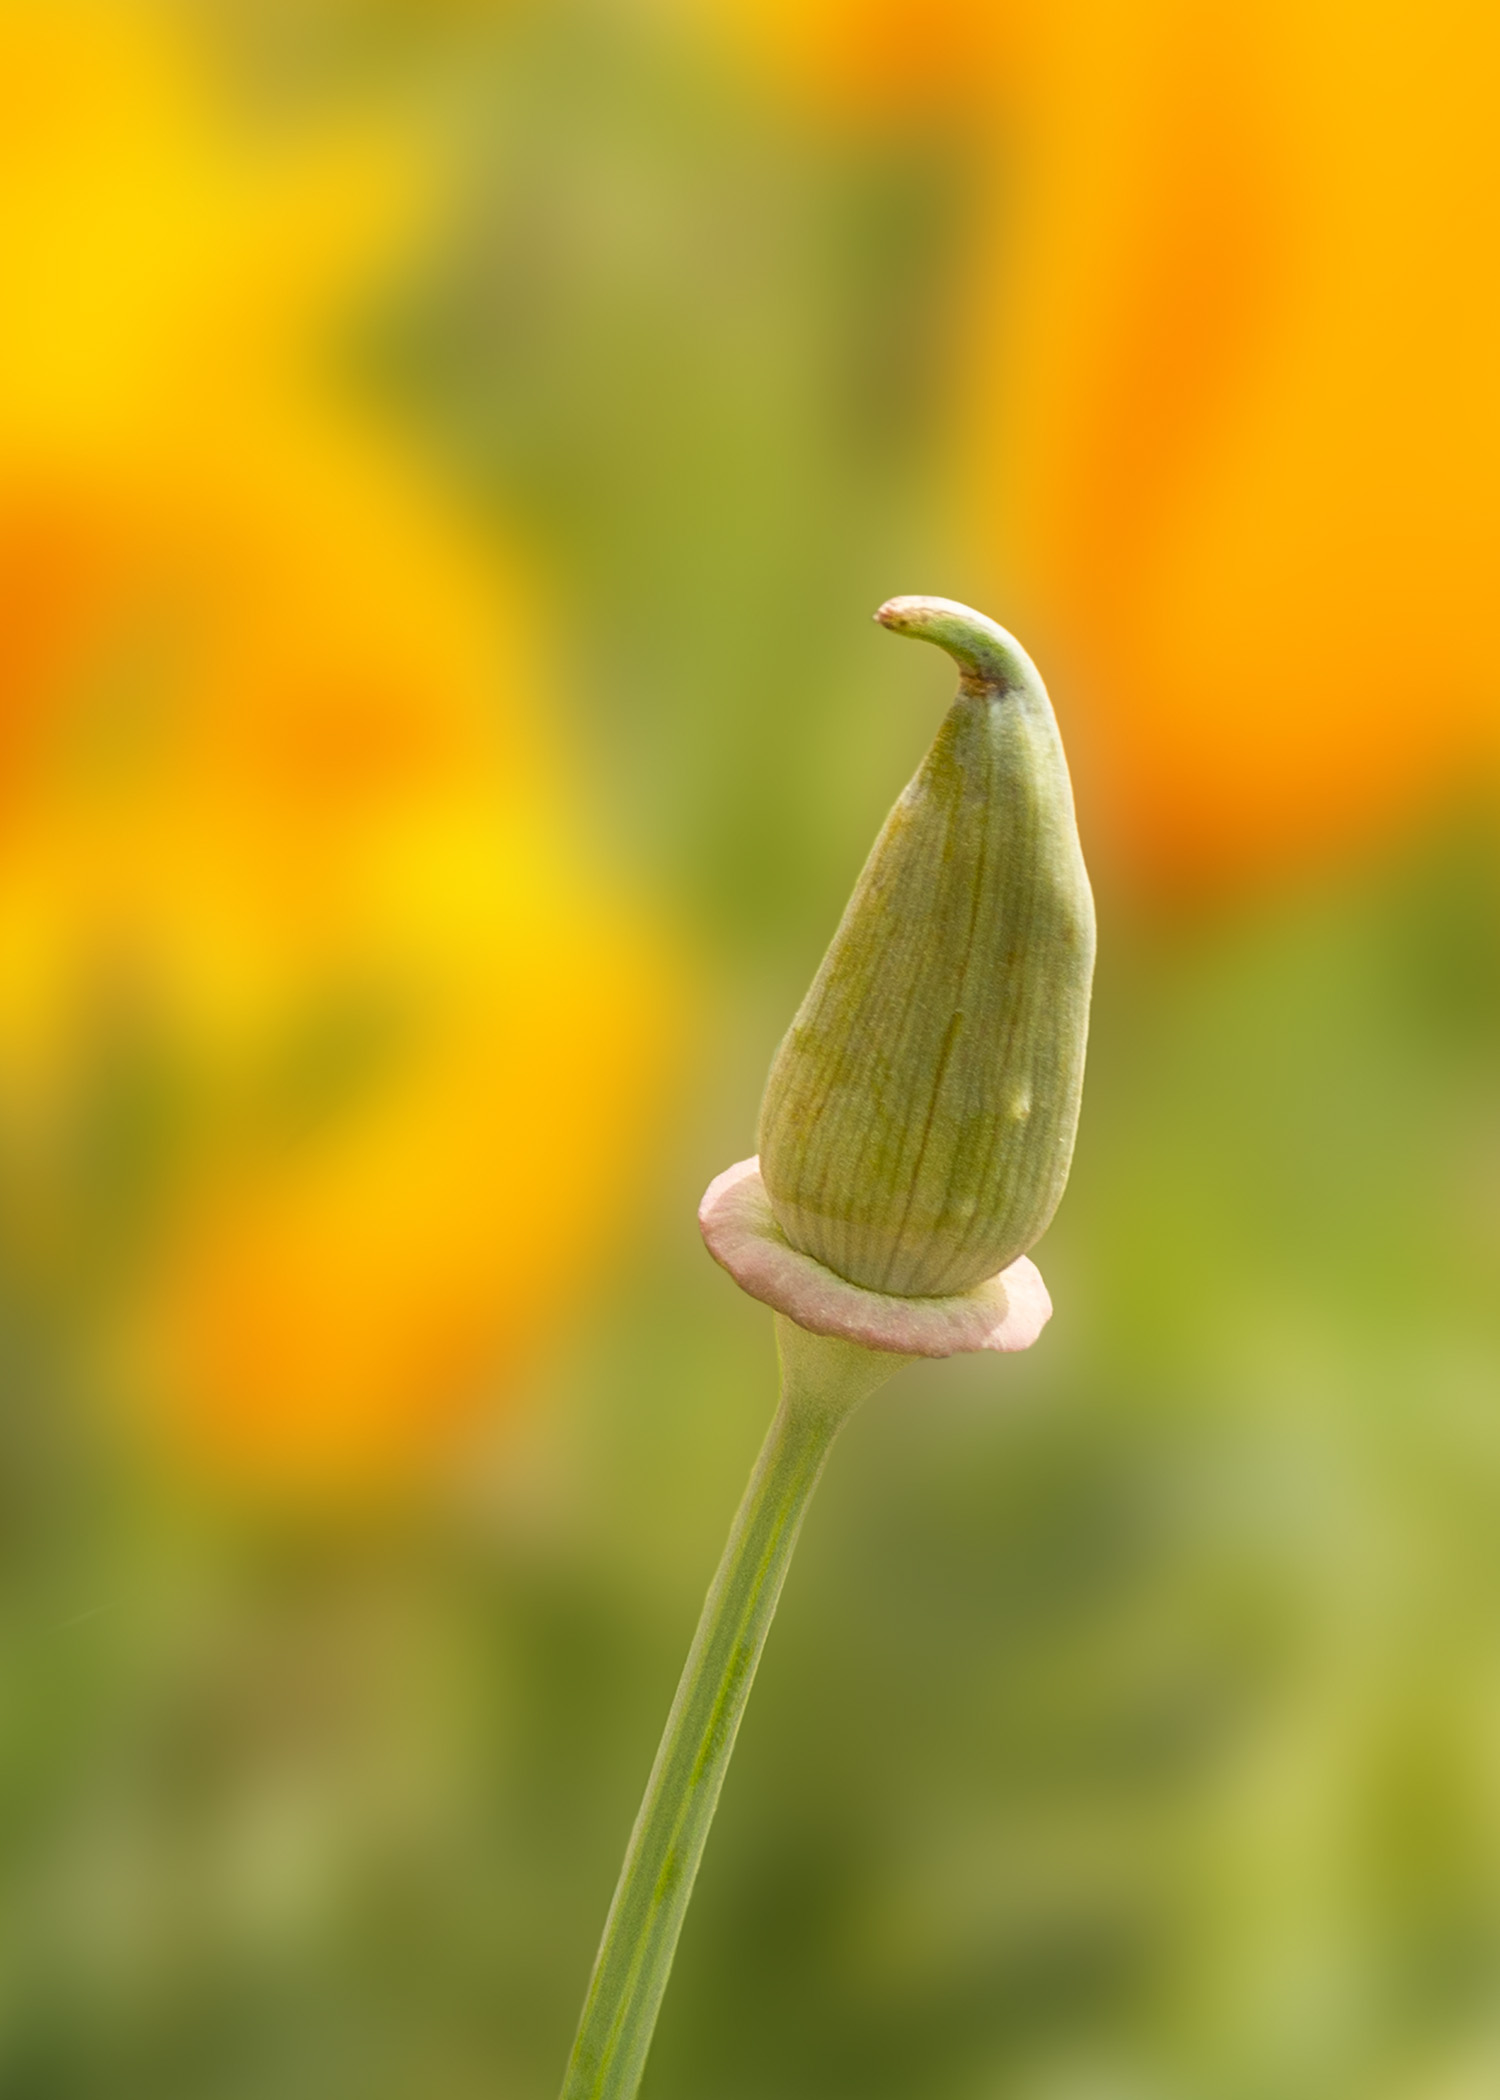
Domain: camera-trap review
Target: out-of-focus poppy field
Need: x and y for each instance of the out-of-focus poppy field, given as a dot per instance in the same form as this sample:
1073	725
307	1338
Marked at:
449	453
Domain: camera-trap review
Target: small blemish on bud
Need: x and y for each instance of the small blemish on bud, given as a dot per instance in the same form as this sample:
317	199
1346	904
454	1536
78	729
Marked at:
1020	1105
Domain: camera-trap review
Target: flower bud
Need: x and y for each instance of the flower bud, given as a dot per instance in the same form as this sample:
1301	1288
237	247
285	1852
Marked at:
918	1122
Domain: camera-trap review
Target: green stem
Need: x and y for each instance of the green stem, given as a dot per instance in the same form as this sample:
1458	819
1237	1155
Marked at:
822	1381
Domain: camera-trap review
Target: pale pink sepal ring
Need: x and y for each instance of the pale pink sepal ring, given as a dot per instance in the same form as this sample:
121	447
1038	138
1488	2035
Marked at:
1006	1312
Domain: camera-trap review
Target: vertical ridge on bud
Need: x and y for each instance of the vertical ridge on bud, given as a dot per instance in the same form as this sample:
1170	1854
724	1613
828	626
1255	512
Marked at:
918	1122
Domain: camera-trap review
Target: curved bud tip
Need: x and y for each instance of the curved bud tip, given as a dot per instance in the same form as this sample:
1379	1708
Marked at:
984	652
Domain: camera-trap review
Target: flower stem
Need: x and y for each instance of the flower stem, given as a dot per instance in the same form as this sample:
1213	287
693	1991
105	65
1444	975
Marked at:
822	1381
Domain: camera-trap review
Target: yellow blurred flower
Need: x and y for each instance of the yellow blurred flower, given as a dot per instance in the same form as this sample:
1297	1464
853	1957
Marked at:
1250	427
1227	425
278	797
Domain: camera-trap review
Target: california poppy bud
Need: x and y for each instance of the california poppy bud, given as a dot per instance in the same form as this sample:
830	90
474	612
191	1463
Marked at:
918	1123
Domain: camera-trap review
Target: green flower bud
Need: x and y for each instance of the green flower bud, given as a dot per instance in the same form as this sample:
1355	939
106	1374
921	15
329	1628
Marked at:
917	1126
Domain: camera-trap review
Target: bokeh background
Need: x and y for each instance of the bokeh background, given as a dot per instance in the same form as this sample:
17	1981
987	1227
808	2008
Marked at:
449	453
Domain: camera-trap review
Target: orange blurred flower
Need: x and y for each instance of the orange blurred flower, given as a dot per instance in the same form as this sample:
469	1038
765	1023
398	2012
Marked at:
1229	403
891	59
279	805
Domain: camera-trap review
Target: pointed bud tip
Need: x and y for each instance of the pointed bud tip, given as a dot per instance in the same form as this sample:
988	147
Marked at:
981	647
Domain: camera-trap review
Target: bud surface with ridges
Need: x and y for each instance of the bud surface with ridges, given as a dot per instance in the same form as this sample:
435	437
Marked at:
918	1123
